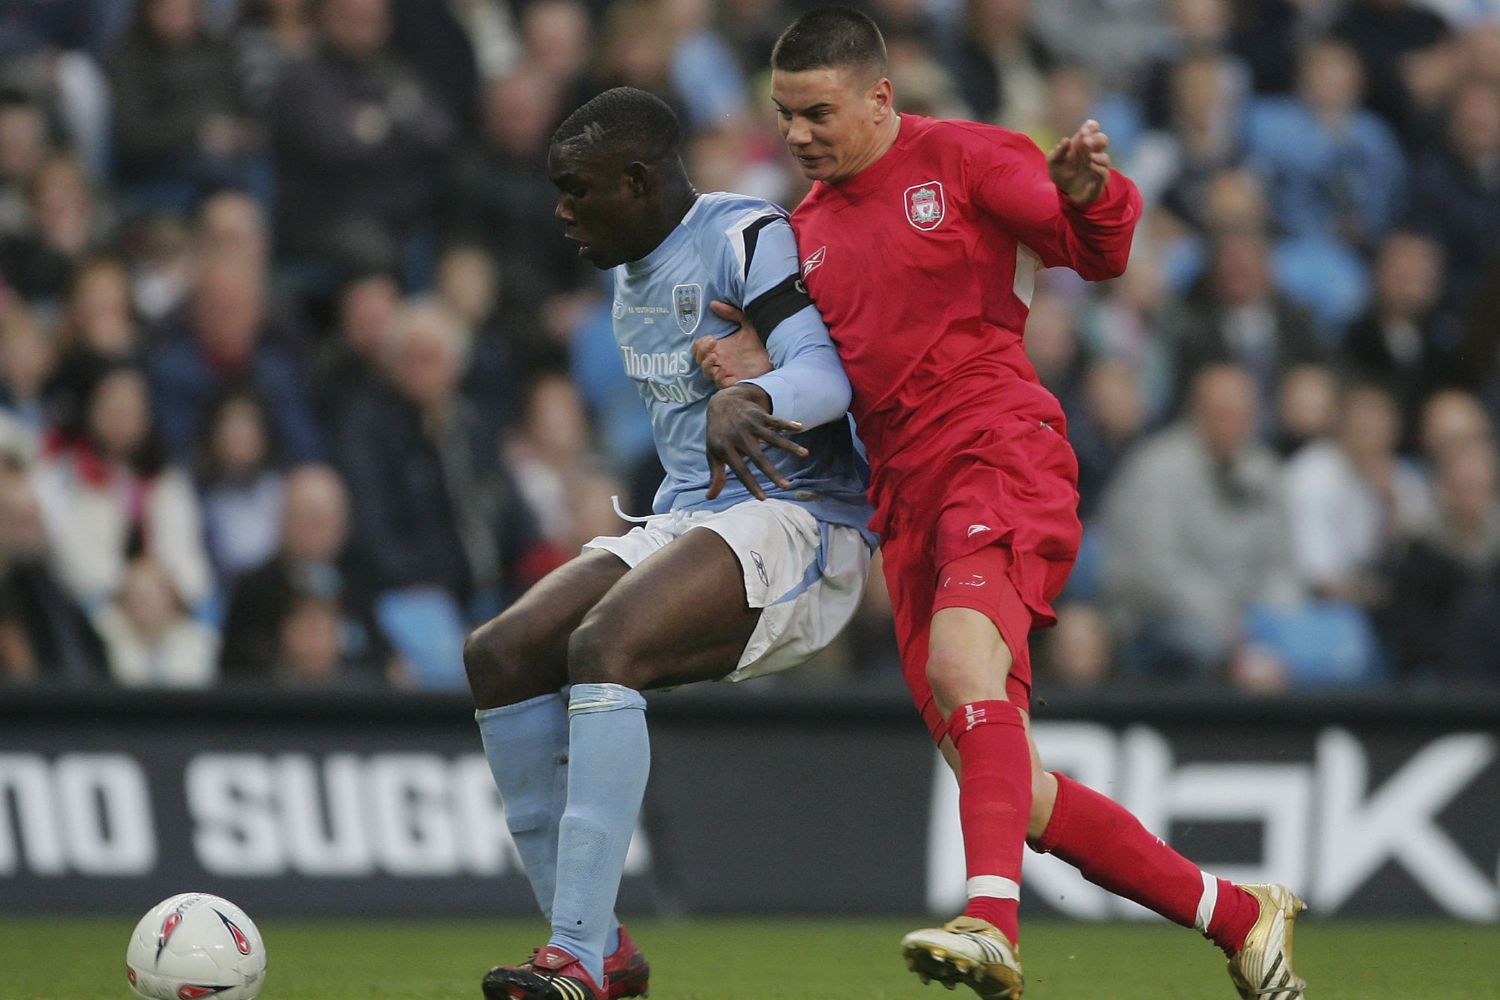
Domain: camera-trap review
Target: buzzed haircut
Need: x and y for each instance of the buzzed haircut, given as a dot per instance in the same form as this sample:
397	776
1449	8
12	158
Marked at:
625	120
834	37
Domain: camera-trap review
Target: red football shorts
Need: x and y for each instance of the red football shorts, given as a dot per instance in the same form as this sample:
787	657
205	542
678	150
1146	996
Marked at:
996	530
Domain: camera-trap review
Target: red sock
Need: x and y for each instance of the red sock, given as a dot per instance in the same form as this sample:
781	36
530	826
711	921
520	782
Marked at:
994	803
1113	850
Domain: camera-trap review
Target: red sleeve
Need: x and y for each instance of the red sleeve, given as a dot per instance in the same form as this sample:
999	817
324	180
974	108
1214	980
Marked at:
1008	179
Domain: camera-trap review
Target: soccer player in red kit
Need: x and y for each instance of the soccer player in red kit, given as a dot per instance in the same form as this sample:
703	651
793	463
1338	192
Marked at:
919	242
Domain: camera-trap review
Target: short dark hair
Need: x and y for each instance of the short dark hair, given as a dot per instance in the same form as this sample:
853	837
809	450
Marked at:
830	37
626	119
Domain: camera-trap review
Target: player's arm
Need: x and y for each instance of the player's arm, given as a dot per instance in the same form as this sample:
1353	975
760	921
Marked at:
1069	206
807	383
806	387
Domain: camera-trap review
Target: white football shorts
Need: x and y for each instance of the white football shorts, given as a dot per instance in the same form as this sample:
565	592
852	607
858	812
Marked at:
806	576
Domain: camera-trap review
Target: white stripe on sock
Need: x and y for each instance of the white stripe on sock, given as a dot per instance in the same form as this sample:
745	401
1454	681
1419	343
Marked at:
993	887
1206	903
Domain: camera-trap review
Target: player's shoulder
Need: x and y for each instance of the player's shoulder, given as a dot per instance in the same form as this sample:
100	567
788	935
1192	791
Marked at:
719	213
731	224
974	137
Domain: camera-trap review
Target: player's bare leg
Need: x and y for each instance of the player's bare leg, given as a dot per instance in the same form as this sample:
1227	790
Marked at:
523	651
678	617
968	664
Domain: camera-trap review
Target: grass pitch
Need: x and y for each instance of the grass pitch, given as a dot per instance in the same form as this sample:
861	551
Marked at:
790	959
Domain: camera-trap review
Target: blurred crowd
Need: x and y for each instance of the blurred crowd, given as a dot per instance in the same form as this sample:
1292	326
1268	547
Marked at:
299	380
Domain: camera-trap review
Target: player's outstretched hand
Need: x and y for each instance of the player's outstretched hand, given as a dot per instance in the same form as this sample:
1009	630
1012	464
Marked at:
741	355
740	424
1079	165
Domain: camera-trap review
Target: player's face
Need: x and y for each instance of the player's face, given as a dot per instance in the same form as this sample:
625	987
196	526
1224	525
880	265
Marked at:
831	119
597	205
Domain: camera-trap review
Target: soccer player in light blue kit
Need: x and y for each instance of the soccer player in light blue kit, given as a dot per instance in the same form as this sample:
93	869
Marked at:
774	576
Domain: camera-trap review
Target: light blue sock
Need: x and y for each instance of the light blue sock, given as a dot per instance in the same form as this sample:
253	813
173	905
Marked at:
527	747
609	758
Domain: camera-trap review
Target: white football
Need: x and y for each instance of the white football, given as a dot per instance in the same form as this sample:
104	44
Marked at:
195	945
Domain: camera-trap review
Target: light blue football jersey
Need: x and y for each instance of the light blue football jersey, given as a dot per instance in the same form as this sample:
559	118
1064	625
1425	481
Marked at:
739	250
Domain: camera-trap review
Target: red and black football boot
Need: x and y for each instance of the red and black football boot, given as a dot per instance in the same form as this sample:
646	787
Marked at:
626	971
552	974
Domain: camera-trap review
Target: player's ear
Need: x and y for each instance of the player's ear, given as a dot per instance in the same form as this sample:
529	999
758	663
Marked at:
639	179
882	97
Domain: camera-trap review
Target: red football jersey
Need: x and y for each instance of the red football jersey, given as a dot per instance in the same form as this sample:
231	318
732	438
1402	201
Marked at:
923	265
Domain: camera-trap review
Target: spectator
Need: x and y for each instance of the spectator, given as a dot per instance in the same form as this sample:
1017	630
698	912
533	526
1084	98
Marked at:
1456	189
1352	504
179	122
551	459
47	63
357	140
240	484
497	194
350	360
433	508
557	40
108	495
98	316
1335	171
225	336
98	323
1077	653
703	67
270	36
314	563
150	639
24	147
635	50
163	266
1236	315
1105	424
43	634
65	225
1306	408
310	646
1198	138
1396	41
1002	63
1201	29
1197	534
232	225
1123	325
1443	570
1052	347
1113	39
469	284
1404	341
27	361
1452	420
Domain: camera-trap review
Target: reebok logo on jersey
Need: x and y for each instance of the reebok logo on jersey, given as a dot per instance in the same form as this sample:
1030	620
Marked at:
975	529
814	261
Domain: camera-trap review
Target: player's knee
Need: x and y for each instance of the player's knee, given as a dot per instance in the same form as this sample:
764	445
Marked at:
599	653
495	659
957	680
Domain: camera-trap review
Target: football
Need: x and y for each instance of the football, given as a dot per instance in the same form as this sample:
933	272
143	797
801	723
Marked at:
195	945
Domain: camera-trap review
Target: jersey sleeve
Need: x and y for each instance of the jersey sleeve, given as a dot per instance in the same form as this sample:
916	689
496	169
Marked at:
808	384
1008	179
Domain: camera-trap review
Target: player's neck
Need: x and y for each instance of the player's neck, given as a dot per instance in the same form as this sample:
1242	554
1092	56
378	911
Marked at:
675	206
885	137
